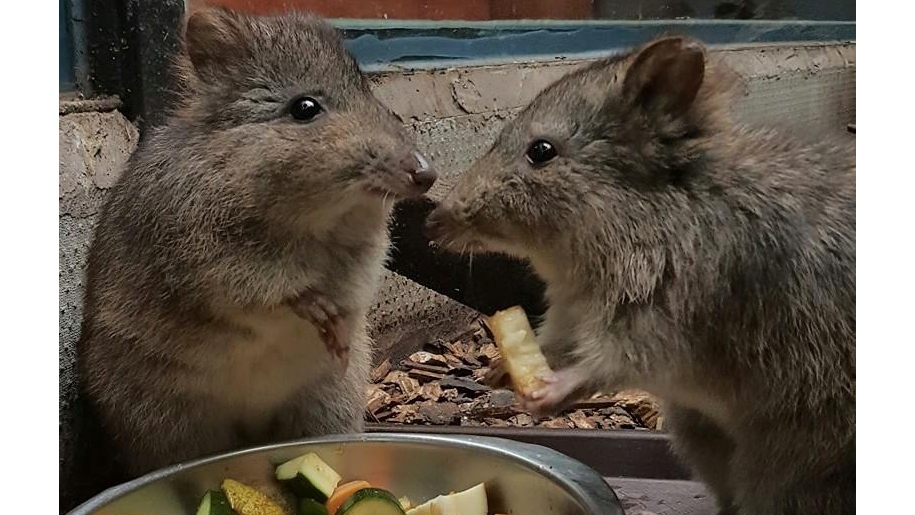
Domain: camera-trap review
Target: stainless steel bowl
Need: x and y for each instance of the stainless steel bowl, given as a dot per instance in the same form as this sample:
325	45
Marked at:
520	478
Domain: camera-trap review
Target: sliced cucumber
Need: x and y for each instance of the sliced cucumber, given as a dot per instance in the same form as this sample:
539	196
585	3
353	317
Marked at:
371	501
311	507
308	477
215	502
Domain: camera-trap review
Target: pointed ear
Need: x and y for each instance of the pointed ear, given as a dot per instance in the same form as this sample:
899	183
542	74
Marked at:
665	75
214	38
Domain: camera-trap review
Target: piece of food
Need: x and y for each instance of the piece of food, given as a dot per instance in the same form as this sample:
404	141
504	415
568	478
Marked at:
468	502
308	473
311	507
344	492
423	509
405	503
215	502
371	501
521	355
248	501
309	477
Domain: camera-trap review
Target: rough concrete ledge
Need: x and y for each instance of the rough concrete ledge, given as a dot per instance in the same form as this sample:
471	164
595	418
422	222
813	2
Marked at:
74	103
441	93
94	146
407	315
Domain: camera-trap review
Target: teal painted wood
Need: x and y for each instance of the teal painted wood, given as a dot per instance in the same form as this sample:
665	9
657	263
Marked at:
390	44
404	44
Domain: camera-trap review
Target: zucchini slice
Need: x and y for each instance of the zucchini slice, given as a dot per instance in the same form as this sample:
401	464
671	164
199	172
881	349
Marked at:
308	477
215	502
311	507
371	501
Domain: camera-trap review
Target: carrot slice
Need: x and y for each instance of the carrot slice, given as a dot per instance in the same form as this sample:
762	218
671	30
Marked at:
342	493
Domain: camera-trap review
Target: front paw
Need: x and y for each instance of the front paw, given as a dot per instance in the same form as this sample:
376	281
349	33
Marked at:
328	318
559	390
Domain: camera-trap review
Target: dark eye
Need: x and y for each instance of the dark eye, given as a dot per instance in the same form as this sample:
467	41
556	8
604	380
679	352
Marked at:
305	109
540	152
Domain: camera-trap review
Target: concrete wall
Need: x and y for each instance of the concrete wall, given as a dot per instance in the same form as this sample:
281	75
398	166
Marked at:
455	115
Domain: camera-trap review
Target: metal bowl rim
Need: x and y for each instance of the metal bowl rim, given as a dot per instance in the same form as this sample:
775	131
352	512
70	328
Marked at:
583	483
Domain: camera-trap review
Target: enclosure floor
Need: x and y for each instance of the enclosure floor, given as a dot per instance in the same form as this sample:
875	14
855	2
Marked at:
461	383
662	497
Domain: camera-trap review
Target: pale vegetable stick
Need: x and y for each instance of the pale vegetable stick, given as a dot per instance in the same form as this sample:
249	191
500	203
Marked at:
521	354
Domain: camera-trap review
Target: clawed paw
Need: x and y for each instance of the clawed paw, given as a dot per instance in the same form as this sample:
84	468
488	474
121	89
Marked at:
554	394
328	318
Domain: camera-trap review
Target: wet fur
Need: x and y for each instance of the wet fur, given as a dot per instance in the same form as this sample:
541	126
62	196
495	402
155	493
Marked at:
710	263
223	216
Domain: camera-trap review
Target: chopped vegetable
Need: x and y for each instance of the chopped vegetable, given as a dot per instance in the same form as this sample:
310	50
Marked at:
423	509
248	501
311	507
405	503
371	501
344	492
215	502
468	502
523	358
309	477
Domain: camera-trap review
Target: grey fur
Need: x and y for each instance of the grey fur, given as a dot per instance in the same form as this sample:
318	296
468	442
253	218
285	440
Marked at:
223	218
707	262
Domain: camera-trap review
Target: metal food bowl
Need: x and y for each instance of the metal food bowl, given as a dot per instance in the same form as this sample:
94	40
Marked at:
520	478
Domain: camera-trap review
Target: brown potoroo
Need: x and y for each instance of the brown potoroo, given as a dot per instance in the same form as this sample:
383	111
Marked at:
704	261
241	249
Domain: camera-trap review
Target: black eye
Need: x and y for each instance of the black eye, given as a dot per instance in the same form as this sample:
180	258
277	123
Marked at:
305	109
540	152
